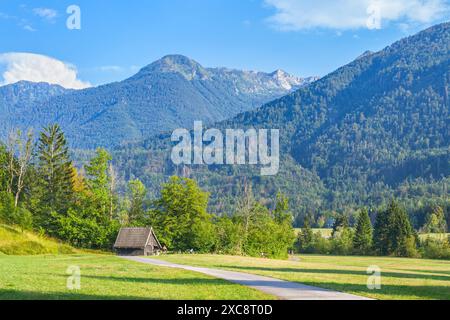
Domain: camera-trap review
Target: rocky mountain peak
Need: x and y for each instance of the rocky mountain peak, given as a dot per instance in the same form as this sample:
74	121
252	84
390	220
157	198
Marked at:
188	68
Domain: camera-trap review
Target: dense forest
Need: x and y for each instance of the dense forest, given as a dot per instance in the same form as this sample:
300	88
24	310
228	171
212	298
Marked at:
41	190
372	130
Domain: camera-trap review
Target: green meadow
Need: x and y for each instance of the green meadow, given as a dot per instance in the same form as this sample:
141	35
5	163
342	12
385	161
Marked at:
105	277
35	267
401	278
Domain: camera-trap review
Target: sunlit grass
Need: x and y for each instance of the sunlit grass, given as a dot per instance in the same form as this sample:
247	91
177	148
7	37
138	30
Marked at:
401	278
14	241
109	277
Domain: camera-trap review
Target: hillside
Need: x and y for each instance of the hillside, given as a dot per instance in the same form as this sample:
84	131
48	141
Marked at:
19	99
15	242
373	129
167	94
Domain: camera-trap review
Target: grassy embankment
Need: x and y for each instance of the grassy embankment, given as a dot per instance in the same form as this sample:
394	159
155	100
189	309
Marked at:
14	241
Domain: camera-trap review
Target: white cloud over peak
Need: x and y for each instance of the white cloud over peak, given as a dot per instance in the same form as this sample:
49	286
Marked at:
16	66
293	15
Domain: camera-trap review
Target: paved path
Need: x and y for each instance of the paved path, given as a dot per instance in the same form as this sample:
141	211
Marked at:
284	290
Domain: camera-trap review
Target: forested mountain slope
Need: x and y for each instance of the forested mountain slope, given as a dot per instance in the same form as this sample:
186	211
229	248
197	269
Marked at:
17	100
373	129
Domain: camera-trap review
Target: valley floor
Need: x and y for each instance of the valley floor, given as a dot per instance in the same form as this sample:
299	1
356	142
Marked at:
107	277
401	278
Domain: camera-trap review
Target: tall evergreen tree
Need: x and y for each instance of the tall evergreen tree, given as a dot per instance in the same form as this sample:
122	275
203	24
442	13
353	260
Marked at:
393	234
362	241
56	170
401	234
305	236
381	233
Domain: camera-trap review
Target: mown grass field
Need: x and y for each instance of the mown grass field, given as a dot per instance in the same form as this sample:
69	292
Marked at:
109	277
25	273
401	278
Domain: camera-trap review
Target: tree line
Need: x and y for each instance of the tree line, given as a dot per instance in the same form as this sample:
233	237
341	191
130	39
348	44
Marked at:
391	235
41	189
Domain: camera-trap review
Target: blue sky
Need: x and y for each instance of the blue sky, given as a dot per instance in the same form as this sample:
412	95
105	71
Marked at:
116	38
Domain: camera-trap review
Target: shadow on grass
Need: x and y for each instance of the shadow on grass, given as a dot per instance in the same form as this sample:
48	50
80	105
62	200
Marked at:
250	283
32	295
398	291
392	292
150	280
177	281
343	272
443	273
11	294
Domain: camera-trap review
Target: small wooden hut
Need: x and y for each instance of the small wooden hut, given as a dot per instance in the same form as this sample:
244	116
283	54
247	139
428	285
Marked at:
137	242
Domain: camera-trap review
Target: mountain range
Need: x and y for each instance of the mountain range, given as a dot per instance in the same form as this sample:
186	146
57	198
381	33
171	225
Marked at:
374	129
167	94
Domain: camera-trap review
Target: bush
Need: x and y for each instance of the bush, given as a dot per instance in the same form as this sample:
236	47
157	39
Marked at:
410	248
435	249
24	219
316	244
84	232
321	245
342	241
229	236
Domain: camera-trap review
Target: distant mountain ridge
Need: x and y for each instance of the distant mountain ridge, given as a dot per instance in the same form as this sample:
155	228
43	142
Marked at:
170	93
17	100
373	129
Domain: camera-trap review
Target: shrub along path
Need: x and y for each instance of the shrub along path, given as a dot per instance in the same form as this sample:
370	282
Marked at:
282	289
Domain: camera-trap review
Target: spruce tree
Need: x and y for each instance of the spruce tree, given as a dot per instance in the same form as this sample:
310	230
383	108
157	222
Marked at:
305	236
362	241
401	234
393	234
381	233
55	170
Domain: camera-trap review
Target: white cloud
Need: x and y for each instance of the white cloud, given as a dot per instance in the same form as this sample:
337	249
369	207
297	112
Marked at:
29	28
293	15
46	13
38	68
